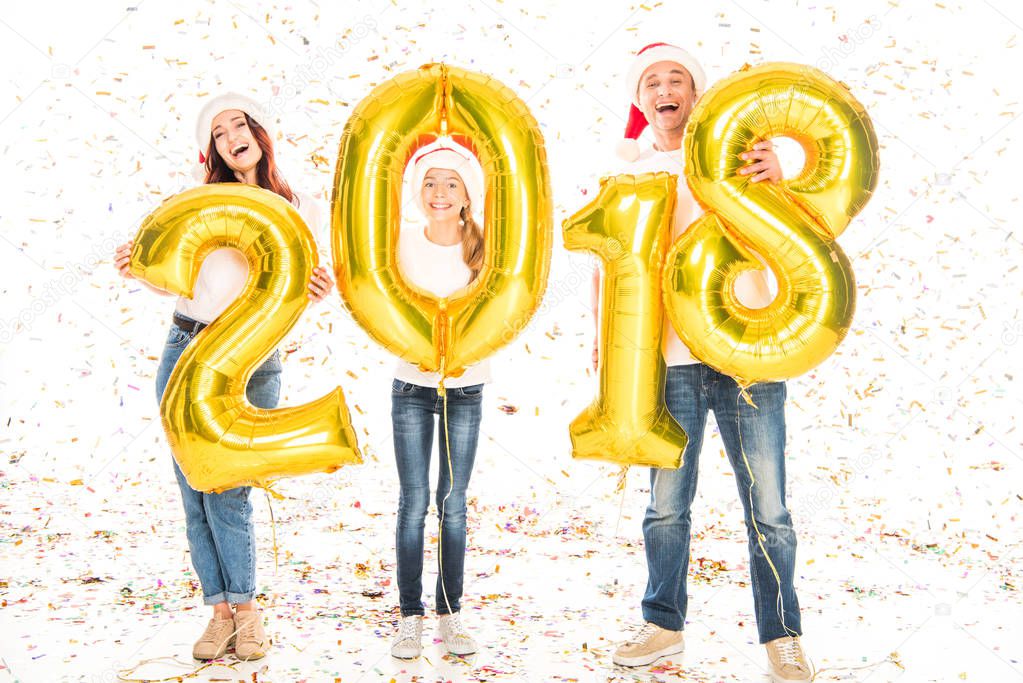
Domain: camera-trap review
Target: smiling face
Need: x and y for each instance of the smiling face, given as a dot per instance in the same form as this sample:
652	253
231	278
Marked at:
443	194
234	141
666	96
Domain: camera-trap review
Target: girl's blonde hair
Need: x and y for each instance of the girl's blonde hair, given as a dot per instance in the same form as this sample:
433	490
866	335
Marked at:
472	243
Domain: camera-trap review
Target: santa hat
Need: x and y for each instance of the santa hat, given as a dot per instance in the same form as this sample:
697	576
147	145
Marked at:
447	154
211	109
628	147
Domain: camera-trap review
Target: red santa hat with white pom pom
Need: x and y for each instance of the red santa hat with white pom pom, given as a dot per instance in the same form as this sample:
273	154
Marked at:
628	147
209	111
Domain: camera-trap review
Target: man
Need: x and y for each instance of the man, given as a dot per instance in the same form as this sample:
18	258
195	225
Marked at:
664	83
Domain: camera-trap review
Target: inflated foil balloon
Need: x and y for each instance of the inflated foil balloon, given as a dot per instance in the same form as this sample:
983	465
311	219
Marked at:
628	226
792	225
218	438
411	110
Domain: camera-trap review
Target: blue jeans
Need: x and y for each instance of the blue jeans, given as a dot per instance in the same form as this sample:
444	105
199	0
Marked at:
414	410
221	537
690	392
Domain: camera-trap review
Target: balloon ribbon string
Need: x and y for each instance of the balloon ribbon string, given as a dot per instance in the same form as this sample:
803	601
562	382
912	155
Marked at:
780	603
444	503
124	674
273	523
620	486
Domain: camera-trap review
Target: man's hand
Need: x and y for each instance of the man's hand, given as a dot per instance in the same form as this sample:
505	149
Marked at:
765	166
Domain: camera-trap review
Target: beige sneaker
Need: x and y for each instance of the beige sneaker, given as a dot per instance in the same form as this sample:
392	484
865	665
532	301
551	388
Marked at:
250	641
456	639
650	644
215	640
787	661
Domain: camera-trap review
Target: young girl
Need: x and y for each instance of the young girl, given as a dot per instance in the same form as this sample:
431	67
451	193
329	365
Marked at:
441	257
236	146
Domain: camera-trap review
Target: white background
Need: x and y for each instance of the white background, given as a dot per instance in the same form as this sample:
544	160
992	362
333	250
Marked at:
903	453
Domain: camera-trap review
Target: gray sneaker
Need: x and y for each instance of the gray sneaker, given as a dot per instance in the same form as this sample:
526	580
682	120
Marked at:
787	661
648	645
408	644
456	639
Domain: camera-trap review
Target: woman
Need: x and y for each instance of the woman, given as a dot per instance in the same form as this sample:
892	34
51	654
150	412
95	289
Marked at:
441	257
237	146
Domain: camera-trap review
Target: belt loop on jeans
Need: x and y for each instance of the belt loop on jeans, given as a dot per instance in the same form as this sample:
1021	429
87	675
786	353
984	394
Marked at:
193	327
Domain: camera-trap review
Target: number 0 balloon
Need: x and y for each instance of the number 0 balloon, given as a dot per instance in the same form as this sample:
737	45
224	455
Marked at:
398	117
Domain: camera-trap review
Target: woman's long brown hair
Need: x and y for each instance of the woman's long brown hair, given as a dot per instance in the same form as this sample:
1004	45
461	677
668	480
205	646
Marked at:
472	243
267	175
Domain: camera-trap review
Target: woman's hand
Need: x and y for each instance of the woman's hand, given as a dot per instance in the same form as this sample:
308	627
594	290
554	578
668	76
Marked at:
766	166
122	260
320	284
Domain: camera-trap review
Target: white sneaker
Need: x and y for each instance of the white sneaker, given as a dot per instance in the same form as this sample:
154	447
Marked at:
408	644
455	638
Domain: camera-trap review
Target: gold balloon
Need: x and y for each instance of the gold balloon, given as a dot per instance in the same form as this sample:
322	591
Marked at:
218	438
411	110
792	225
628	226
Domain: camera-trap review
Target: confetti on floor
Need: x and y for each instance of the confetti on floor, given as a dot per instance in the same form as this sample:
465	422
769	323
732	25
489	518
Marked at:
903	453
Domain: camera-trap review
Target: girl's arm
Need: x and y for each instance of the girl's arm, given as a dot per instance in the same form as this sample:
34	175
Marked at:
321	282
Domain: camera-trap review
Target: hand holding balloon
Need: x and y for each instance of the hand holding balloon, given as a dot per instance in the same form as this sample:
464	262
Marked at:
320	284
765	166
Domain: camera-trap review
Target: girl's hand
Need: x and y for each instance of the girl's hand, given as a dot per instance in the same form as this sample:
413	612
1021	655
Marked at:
320	284
122	260
766	166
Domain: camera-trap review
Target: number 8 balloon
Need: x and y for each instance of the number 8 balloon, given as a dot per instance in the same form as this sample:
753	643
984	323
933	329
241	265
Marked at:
792	225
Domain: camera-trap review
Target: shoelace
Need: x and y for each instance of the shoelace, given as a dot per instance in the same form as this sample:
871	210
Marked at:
790	653
454	626
247	631
644	634
407	629
215	632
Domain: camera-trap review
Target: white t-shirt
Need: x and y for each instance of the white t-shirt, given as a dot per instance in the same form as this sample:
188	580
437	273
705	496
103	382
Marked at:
754	288
223	273
440	270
